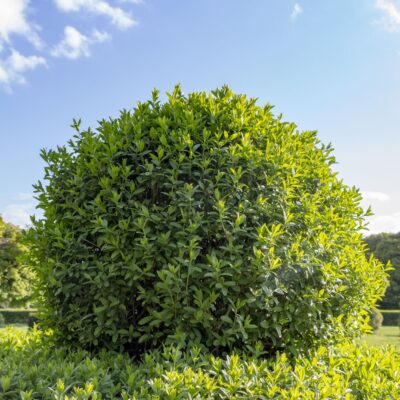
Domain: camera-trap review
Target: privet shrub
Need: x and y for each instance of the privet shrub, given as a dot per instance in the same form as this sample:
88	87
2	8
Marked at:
202	220
30	369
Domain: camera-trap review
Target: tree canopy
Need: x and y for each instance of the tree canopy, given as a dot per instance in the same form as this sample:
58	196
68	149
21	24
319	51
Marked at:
386	247
15	280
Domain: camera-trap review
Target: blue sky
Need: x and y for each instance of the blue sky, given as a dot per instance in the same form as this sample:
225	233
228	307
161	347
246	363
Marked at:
331	66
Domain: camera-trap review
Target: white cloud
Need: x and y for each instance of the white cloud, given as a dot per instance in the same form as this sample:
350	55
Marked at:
100	37
16	20
384	223
13	67
122	19
132	1
75	44
375	196
297	10
24	196
391	9
13	20
19	214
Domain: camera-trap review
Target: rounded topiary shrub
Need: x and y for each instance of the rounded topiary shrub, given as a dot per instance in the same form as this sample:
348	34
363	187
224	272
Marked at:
202	220
375	319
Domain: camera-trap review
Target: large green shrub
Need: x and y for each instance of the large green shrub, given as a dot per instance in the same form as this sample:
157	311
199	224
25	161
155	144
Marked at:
31	369
202	220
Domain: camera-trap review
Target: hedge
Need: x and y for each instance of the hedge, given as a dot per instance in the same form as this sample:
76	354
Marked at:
16	315
390	317
376	319
32	368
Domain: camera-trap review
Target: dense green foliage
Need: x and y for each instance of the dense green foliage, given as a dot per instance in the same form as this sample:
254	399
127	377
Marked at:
15	280
201	220
386	247
30	368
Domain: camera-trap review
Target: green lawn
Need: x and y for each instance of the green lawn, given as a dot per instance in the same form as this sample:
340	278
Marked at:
385	335
22	327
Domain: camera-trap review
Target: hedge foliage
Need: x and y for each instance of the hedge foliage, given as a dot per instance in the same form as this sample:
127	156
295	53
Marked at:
32	368
204	220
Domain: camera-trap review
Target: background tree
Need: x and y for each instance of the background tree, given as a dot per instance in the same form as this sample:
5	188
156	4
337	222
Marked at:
386	247
15	280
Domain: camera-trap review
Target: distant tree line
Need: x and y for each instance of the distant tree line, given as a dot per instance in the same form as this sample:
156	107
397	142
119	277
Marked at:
386	247
15	279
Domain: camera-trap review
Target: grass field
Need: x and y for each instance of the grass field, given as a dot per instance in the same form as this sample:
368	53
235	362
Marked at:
385	335
21	327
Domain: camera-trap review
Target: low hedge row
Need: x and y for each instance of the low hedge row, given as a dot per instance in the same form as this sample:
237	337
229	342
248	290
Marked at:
32	368
391	317
16	315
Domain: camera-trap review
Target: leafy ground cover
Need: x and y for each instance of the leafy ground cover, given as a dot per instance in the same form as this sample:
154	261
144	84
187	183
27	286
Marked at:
32	368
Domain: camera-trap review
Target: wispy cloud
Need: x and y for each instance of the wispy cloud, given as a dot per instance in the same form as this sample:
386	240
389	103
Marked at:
119	17
391	9
132	1
24	196
22	206
19	214
375	196
75	44
14	21
384	223
297	10
12	68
